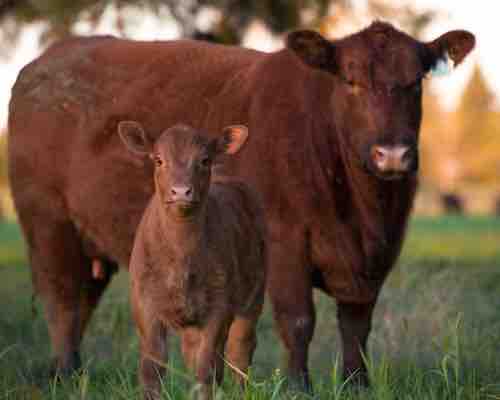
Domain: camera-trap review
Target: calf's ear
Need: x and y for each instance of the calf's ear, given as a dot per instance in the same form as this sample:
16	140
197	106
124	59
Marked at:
134	137
453	45
312	48
232	139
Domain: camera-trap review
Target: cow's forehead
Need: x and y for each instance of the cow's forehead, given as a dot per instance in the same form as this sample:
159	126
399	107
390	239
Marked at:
380	54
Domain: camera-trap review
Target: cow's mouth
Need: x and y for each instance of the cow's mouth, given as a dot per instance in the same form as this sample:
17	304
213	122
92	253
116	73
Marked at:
391	175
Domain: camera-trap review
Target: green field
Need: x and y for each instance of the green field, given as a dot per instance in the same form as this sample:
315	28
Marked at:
436	331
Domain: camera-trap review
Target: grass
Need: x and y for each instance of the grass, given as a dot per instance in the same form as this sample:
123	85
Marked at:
436	330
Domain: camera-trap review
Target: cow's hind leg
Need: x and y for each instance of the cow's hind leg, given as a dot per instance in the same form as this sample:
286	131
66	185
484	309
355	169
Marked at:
355	324
92	289
59	271
290	290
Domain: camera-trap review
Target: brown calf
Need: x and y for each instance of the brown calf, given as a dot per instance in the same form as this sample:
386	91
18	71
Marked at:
198	261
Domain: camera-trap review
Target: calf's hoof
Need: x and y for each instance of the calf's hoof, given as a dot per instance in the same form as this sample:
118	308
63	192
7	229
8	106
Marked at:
201	391
357	378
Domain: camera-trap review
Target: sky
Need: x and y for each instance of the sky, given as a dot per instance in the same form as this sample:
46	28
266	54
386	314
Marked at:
479	16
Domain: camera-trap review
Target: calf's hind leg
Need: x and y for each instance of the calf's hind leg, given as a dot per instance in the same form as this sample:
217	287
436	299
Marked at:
241	344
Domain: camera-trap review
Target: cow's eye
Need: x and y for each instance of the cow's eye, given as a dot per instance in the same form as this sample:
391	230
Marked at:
417	86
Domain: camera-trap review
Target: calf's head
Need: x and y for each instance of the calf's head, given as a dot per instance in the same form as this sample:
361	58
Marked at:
183	160
376	80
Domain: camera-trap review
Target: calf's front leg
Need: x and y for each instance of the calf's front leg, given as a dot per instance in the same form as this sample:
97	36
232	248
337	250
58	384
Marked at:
210	362
152	359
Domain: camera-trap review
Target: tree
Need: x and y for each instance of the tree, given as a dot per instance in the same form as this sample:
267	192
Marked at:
478	148
234	16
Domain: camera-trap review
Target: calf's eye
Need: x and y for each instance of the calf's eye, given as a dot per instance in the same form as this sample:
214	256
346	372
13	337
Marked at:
158	161
205	161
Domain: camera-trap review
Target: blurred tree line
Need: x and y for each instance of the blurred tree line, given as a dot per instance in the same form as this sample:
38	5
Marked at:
461	148
233	16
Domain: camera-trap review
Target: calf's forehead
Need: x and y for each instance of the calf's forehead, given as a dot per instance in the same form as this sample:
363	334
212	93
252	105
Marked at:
181	143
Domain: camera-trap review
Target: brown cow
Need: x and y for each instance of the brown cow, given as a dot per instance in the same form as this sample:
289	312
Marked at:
333	155
198	261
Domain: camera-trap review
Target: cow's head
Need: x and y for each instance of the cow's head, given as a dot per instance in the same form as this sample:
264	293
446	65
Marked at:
183	160
377	88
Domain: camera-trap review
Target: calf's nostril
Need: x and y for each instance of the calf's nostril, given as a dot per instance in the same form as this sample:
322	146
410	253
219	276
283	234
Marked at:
406	156
379	154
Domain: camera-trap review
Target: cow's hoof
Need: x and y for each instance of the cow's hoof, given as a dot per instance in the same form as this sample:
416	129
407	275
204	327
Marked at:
65	369
300	384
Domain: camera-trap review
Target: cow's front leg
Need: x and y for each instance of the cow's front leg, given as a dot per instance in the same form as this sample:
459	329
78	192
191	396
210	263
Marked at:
355	324
290	290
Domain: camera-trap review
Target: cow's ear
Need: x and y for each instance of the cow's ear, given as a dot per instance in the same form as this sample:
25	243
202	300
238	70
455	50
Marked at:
452	46
134	137
232	139
312	48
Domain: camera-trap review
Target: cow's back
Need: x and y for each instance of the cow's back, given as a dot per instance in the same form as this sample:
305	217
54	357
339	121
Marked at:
66	160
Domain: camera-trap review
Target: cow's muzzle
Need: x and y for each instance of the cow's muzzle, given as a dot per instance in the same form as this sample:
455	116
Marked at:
394	162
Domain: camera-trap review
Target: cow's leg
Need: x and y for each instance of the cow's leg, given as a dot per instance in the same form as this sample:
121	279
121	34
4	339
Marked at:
355	324
93	288
59	269
241	344
290	290
153	345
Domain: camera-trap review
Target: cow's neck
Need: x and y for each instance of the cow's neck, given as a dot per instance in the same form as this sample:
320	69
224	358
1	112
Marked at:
378	209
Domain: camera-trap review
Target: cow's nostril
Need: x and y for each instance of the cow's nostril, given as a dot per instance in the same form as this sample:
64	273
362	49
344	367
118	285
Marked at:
188	191
173	191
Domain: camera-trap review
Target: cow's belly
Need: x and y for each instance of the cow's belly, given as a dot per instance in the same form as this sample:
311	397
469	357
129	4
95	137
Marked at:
106	201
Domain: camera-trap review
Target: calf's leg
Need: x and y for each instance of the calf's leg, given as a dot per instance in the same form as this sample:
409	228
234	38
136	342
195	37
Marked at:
210	362
190	344
153	347
355	324
241	344
290	290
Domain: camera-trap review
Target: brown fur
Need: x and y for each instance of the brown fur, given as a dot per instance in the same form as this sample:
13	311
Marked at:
197	271
315	110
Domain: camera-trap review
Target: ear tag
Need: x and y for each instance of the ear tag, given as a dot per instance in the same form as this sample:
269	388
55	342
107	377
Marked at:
443	67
